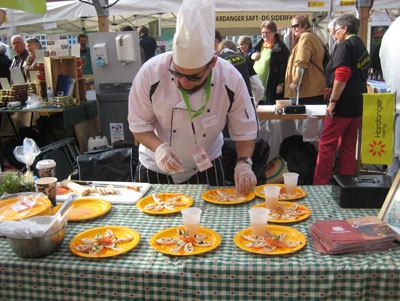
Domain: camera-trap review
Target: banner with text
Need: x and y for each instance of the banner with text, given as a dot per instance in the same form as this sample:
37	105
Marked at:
254	19
377	128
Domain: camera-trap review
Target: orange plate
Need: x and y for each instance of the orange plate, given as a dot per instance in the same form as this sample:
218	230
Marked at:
172	232
88	208
292	235
118	232
7	213
259	191
207	196
164	196
285	221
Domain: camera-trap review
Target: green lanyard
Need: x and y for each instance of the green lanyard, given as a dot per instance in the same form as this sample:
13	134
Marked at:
199	111
350	35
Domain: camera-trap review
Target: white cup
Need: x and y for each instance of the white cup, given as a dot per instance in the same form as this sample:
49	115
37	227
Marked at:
191	220
271	194
290	179
259	220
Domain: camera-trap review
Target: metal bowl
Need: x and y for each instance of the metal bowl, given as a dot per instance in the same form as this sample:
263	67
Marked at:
37	247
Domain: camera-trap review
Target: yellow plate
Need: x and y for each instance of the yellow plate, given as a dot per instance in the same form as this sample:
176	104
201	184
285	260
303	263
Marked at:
89	208
172	232
207	196
164	196
292	235
10	211
259	191
284	221
118	232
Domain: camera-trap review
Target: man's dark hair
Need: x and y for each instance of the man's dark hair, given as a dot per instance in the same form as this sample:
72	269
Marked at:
126	28
82	35
143	31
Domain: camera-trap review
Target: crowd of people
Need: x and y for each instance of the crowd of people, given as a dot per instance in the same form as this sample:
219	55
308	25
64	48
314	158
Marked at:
216	83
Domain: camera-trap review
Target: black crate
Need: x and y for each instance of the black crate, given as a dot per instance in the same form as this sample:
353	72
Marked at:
364	191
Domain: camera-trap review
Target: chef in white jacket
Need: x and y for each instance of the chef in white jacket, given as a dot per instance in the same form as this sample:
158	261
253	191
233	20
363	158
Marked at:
180	102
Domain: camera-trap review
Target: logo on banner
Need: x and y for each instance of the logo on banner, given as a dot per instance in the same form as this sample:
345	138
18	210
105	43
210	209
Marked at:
377	128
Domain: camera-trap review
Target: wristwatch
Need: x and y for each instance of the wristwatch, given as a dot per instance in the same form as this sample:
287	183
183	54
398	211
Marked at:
245	159
332	100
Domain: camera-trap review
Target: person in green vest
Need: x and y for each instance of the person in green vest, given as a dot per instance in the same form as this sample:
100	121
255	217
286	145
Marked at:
85	55
270	58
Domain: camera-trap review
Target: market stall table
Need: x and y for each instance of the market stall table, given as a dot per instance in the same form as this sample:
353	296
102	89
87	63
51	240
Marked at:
224	273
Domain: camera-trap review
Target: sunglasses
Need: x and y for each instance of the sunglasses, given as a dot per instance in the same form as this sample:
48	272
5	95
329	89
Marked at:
191	77
295	26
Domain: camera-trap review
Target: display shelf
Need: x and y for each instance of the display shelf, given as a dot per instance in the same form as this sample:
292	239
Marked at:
65	65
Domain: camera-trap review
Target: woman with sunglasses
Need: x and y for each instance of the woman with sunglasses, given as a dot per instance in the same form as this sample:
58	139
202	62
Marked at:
305	70
346	75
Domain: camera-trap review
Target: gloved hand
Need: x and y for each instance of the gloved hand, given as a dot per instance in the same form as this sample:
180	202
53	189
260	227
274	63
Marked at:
167	160
245	178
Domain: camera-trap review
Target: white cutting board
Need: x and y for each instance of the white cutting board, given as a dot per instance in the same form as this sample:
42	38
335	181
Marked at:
123	197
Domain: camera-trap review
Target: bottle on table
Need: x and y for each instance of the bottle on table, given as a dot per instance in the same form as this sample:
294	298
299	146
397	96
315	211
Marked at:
50	98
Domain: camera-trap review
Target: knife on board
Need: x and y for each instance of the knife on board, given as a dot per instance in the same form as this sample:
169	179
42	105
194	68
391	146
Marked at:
104	184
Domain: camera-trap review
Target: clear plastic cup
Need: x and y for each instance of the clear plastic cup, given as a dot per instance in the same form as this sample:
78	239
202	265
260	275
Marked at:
259	220
191	220
271	194
290	179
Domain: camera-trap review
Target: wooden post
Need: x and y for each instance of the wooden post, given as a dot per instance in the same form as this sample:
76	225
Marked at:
103	24
364	16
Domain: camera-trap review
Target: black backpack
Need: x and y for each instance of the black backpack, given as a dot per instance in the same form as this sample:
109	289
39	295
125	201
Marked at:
300	157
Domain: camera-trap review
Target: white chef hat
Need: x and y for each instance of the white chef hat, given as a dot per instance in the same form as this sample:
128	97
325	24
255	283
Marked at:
193	45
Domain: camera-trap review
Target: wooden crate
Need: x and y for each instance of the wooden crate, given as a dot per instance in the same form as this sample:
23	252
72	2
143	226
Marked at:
55	66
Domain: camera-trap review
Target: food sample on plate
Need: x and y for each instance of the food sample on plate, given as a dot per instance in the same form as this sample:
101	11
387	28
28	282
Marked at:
224	196
287	213
270	242
184	242
287	195
98	243
170	204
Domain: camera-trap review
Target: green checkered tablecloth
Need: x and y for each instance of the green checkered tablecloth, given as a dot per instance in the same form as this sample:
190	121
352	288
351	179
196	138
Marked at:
224	273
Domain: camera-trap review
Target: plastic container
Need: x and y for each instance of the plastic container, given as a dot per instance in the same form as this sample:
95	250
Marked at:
46	168
96	142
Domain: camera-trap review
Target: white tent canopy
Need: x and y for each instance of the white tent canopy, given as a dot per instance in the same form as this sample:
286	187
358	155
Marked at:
75	16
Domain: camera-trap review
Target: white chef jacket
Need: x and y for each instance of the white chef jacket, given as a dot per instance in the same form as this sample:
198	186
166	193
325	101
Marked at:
156	104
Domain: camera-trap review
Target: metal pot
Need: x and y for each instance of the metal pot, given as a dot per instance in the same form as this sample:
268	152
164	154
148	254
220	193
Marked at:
37	247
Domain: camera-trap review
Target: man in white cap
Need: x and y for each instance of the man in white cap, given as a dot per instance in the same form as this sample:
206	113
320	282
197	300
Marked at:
180	102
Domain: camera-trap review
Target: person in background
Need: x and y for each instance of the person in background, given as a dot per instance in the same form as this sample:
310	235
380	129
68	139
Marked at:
130	28
32	44
227	50
18	44
270	58
346	74
305	70
218	39
331	30
5	63
245	46
85	55
148	43
180	102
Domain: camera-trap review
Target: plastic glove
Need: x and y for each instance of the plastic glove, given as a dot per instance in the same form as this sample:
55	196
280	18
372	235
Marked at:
167	160
245	178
